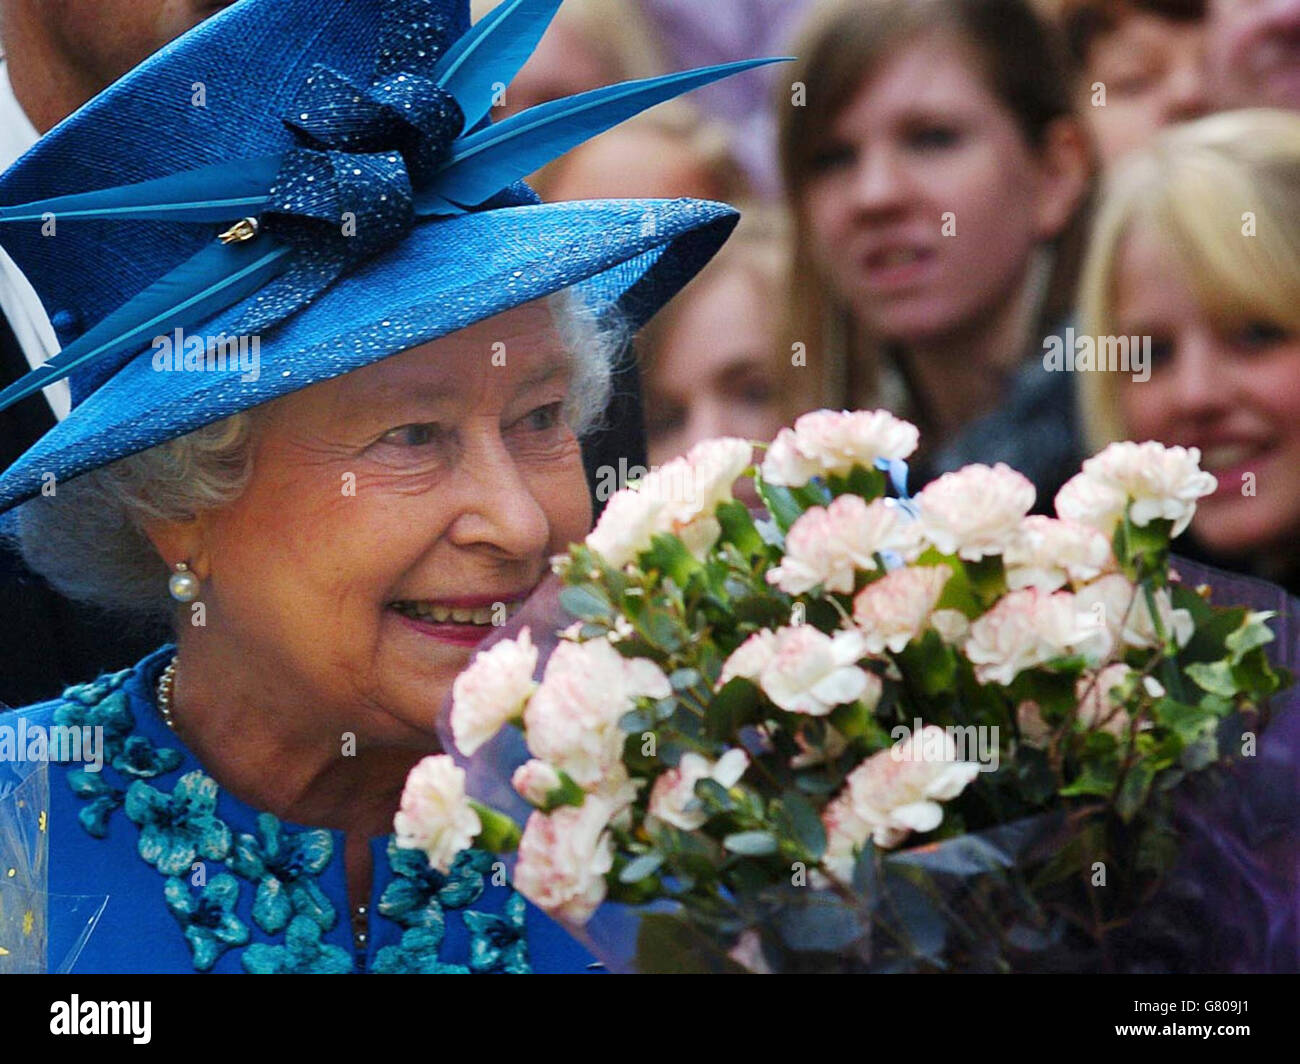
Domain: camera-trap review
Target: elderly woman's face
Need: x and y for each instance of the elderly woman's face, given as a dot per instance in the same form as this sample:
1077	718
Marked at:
395	515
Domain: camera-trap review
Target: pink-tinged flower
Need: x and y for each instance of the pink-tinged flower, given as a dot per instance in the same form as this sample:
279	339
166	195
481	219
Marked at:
1119	606
750	658
435	815
672	798
748	953
1160	482
1028	628
572	719
534	780
1097	709
893	793
812	672
829	545
1047	553
1034	730
828	441
896	609
974	511
564	857
492	691
678	498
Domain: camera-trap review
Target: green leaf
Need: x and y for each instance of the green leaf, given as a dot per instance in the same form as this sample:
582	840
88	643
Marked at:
1186	721
738	528
798	816
713	796
669	555
817	781
1133	791
780	503
683	679
731	708
587	602
641	867
868	483
1093	780
567	793
499	834
1201	751
818	921
662	629
987	577
751	843
1215	677
930	662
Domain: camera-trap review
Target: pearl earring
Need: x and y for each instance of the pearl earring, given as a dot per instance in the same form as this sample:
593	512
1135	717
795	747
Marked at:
183	584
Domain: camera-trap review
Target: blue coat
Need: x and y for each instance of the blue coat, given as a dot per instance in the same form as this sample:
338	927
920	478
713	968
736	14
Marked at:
195	880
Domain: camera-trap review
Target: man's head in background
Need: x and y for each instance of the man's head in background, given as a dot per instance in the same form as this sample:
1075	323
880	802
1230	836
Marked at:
1140	67
61	53
1254	53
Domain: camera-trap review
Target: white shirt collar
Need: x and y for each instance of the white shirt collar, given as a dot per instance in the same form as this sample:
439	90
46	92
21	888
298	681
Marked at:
18	301
17	134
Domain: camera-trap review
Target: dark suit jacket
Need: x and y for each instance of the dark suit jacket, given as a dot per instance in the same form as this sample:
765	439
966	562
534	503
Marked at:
46	642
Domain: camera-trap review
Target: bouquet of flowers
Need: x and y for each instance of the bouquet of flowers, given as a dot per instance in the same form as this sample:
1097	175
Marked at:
860	731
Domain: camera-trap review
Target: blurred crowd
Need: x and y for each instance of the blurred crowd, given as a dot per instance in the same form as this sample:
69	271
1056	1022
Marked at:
936	194
940	194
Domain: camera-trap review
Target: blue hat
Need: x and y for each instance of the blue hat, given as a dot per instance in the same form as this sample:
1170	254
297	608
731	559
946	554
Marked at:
321	174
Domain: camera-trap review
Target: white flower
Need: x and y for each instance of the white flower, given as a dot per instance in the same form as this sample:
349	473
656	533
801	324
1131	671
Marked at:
534	780
750	658
1027	628
630	519
564	857
894	793
812	672
1119	606
1047	553
435	815
974	511
829	545
896	608
677	498
1160	482
673	800
1088	501
827	441
572	719
492	691
952	625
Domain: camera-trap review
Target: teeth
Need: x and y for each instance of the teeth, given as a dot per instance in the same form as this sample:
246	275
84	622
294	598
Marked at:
899	257
1227	456
428	611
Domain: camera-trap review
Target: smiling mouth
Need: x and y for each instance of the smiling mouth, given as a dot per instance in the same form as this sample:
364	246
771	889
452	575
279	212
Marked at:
1227	457
432	613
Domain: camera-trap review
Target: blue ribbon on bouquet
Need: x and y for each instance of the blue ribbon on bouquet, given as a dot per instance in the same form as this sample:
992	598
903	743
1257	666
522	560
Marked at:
896	470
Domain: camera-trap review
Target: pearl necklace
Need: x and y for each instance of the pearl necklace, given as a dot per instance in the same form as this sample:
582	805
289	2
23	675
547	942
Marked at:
166	683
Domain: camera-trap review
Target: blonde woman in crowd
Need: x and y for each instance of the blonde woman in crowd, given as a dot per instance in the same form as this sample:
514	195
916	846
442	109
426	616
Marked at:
1197	248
